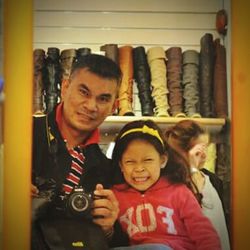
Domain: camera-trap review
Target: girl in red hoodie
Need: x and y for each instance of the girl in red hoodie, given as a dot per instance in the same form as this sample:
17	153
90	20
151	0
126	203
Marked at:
156	208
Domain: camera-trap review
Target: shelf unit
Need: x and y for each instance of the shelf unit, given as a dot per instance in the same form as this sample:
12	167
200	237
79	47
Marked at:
113	124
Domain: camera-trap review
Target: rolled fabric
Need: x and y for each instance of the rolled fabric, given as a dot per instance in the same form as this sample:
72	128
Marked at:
220	81
157	63
111	51
126	88
67	58
190	81
206	75
38	80
142	78
53	78
82	52
174	81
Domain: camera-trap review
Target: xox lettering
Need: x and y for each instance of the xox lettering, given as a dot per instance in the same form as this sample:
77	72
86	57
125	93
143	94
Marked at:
135	222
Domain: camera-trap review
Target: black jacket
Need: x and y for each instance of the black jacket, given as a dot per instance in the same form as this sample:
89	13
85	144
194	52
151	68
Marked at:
51	160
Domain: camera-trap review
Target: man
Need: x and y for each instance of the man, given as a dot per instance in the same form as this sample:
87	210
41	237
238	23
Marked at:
66	153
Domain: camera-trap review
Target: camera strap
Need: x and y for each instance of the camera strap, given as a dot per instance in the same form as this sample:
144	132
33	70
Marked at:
52	142
77	162
41	127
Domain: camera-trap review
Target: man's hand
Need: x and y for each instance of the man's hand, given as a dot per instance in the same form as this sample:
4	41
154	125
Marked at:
105	208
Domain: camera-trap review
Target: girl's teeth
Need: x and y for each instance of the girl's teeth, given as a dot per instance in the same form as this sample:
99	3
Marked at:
140	179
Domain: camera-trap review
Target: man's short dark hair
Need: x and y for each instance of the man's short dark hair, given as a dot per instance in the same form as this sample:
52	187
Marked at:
99	65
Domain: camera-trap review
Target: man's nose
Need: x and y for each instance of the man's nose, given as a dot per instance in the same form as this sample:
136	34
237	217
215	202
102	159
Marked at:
91	104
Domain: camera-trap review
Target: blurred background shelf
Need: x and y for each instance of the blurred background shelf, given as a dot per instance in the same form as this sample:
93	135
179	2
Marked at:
113	124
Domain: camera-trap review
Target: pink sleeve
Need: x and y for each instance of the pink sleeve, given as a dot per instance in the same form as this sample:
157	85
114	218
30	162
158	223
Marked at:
199	227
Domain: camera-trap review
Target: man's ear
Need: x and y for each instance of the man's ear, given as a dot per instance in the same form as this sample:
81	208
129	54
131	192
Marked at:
164	160
115	105
64	87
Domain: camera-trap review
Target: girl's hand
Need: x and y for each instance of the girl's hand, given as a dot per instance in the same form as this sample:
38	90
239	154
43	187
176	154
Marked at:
197	155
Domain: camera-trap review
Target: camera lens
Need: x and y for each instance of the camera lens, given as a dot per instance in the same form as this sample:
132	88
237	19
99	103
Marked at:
79	203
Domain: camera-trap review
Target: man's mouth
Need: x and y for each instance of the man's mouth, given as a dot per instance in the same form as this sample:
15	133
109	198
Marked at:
85	116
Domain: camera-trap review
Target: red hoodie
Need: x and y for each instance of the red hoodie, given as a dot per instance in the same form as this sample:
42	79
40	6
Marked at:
166	213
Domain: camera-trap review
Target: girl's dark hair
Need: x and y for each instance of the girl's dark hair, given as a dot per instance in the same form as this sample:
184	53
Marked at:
179	140
99	65
122	142
176	169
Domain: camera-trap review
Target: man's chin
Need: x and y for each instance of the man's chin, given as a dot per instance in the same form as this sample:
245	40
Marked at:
89	125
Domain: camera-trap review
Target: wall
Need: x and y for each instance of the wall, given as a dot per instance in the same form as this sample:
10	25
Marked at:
92	23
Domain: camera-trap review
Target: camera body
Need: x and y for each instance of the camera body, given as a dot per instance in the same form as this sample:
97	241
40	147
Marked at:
76	204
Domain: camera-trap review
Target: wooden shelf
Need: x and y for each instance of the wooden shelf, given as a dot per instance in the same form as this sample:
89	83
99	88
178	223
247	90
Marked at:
113	124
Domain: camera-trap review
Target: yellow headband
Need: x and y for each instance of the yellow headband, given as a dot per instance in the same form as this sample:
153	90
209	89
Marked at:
145	129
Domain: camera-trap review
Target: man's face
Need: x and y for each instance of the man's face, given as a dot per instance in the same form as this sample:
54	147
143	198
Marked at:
87	100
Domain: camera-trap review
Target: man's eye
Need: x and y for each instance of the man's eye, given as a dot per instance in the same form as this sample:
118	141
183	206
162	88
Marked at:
104	99
84	92
148	160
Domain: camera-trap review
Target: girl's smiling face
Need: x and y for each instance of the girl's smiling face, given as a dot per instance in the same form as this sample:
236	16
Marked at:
141	164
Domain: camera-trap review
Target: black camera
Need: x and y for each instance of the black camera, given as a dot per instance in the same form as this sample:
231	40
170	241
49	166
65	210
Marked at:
51	202
77	204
